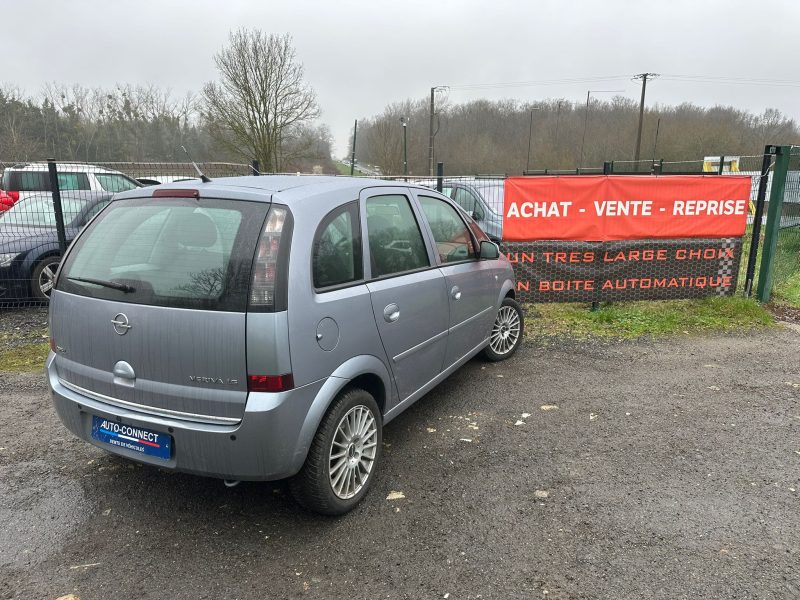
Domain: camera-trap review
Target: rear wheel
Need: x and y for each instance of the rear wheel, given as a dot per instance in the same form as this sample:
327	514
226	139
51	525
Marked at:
343	457
507	331
44	276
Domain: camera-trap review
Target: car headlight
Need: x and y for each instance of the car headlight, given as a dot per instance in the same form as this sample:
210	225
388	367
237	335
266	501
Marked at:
7	259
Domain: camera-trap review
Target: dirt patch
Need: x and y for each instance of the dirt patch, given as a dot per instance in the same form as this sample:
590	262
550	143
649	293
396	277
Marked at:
22	326
785	313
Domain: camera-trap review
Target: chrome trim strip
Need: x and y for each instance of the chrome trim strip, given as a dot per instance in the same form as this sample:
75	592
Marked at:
406	353
473	317
152	410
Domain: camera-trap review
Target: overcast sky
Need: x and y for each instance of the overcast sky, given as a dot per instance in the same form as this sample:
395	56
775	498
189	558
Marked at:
361	55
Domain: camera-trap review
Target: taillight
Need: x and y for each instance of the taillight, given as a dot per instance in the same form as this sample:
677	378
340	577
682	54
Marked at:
14	196
270	383
265	269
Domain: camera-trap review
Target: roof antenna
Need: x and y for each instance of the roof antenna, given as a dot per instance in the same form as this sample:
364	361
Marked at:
203	178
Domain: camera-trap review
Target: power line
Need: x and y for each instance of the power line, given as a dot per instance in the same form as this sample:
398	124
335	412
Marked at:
574	80
722	79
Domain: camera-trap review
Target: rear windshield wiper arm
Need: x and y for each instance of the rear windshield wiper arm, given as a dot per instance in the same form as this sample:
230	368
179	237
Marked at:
122	287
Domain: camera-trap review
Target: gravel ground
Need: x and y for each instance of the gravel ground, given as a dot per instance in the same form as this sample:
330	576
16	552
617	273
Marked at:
669	469
22	326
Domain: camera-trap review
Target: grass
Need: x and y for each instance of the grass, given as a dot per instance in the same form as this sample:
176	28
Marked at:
786	277
628	320
786	289
345	169
26	358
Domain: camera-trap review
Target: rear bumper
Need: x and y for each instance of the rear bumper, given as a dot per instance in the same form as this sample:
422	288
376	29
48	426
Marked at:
267	444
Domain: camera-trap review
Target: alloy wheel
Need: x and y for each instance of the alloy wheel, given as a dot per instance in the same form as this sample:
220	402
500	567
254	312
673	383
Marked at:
506	330
353	451
47	277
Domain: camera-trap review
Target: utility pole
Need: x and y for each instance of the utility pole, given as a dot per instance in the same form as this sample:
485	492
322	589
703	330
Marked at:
353	155
643	77
432	131
558	120
430	140
586	119
530	135
585	123
404	123
655	143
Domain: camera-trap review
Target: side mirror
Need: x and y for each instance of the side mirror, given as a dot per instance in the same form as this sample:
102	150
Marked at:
489	250
476	215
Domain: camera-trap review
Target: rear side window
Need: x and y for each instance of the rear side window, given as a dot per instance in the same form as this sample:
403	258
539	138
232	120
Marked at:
112	182
395	241
453	240
337	248
39	181
174	252
468	202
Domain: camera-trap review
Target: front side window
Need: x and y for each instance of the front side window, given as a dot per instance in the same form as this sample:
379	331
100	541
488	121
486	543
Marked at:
395	240
453	240
337	248
168	252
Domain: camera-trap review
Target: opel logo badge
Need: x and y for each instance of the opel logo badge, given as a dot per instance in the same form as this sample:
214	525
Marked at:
120	323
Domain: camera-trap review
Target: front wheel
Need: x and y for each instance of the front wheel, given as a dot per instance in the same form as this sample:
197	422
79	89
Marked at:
507	331
343	456
43	277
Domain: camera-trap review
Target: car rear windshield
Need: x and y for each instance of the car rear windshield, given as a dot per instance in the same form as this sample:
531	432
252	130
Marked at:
175	252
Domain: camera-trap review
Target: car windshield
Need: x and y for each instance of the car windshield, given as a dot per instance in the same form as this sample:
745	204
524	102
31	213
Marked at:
492	194
38	211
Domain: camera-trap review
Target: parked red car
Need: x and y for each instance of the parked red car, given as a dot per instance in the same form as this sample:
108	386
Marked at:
7	200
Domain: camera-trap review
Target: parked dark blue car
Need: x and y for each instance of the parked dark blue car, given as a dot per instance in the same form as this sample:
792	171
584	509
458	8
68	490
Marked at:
29	252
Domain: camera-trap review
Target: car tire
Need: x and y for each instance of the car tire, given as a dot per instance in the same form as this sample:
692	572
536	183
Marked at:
351	457
507	331
43	277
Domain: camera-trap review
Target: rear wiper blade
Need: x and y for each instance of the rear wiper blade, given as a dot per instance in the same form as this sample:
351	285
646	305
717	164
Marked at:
122	287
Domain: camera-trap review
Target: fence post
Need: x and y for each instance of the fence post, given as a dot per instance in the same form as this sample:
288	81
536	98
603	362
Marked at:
721	164
773	223
254	165
607	167
755	237
62	236
439	176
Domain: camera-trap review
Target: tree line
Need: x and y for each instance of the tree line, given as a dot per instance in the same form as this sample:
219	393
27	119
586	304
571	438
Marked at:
260	108
507	136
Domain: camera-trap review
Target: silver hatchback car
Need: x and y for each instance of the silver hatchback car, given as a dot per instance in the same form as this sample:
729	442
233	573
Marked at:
259	328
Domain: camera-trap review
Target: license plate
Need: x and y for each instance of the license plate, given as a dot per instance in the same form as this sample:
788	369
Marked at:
131	437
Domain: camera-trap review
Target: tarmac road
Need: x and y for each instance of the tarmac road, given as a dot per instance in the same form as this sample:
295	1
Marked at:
669	469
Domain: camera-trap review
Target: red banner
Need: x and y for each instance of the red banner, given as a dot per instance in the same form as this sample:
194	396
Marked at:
620	207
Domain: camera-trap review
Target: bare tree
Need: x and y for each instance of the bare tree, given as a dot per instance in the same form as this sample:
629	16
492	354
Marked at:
261	100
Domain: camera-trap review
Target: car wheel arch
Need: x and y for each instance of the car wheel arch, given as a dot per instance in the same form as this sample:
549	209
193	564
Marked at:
364	371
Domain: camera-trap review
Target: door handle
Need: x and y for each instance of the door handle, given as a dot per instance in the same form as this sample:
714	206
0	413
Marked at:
455	293
391	313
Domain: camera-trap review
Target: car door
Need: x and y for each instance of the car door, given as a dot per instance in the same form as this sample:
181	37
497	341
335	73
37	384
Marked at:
470	281
408	293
